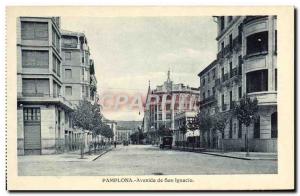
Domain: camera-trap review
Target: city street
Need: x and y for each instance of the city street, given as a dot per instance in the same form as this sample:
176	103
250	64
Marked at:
146	160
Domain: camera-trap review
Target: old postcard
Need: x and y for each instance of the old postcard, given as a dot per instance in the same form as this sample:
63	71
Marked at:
150	98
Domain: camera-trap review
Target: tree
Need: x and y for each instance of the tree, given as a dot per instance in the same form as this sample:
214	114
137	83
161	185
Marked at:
204	121
220	120
246	111
87	116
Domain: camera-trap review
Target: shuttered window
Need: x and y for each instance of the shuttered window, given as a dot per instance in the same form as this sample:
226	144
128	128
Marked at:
35	87
37	59
34	30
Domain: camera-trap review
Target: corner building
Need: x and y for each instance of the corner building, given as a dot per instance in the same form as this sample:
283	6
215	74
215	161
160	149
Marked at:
41	106
245	64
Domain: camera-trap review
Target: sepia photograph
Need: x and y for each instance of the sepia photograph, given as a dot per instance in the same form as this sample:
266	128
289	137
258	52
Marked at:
148	99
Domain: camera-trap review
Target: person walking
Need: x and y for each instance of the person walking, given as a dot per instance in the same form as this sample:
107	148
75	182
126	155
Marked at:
115	144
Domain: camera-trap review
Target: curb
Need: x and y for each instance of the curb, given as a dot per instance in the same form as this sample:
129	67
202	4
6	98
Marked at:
106	151
237	157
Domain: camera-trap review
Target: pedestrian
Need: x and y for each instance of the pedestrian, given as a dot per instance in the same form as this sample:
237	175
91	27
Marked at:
115	144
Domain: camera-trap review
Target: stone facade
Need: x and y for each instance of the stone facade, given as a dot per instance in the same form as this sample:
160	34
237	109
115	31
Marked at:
245	65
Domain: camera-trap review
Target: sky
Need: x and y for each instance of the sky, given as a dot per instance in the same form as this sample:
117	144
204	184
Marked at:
131	51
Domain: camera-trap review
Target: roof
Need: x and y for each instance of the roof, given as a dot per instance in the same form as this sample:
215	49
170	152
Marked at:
73	33
206	69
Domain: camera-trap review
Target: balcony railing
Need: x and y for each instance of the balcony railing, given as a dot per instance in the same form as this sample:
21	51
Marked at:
44	95
208	100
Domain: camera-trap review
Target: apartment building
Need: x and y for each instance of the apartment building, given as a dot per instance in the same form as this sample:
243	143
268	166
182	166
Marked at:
165	101
245	64
78	69
42	110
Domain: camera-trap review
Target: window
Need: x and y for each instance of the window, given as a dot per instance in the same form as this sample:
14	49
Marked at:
230	42
159	116
257	128
203	95
223	74
275	41
274	125
240	130
168	116
240	64
68	90
230	70
222	46
230	129
35	59
68	56
68	73
208	93
257	81
55	39
69	42
34	30
168	107
82	74
56	90
257	43
35	87
275	79
240	92
223	104
222	23
229	19
214	73
32	114
213	91
55	65
230	98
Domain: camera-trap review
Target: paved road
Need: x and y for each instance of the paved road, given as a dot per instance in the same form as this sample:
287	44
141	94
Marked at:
149	160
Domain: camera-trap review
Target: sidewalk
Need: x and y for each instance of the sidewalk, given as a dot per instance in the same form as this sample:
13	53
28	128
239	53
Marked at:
73	156
235	155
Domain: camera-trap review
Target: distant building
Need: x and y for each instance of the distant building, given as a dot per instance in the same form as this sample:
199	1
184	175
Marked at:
113	125
164	102
245	64
123	134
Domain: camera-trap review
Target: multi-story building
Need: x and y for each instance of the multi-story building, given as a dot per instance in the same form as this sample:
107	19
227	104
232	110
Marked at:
43	112
245	65
165	101
53	76
78	69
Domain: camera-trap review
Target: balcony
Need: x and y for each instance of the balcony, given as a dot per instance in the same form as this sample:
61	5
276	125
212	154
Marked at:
265	98
44	98
225	52
209	100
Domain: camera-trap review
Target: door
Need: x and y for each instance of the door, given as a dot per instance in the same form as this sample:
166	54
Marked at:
32	131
